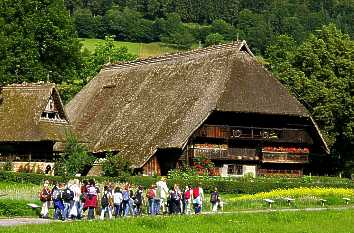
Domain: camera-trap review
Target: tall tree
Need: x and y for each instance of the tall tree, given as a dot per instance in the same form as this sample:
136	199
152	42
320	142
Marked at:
320	73
38	42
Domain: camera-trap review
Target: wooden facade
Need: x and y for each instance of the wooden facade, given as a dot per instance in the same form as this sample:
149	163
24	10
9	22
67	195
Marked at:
263	143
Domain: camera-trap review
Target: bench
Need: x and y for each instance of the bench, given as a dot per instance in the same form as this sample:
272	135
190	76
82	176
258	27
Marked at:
289	200
346	200
3	194
269	201
323	201
33	206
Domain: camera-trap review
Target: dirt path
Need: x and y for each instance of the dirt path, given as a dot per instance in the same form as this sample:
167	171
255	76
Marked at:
5	222
21	221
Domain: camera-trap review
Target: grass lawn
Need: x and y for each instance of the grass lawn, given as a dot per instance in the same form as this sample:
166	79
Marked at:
18	191
139	49
284	222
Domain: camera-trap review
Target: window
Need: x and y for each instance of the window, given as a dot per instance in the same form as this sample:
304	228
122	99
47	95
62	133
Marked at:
234	169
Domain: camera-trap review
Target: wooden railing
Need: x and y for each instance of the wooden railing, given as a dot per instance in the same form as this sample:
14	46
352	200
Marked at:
283	157
254	133
275	172
225	153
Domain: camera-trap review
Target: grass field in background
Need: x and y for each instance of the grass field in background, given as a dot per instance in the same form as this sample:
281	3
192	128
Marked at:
282	222
142	50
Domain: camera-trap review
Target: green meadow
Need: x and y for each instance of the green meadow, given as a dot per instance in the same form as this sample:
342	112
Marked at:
285	222
142	50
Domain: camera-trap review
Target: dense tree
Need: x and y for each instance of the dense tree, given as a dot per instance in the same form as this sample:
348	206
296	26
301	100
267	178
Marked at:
213	39
320	73
38	42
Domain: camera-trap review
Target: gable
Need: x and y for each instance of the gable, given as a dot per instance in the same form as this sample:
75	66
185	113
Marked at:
53	110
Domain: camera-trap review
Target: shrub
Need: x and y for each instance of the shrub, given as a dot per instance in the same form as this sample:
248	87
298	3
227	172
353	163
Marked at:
11	208
214	39
116	166
75	159
8	166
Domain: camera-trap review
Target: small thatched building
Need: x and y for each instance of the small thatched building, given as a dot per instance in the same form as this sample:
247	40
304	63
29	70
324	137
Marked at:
32	120
216	102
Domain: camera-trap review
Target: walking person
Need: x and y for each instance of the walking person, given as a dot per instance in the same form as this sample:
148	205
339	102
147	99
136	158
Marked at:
214	200
161	195
57	202
117	199
151	195
198	197
91	199
139	200
106	203
76	207
187	200
45	198
67	198
126	198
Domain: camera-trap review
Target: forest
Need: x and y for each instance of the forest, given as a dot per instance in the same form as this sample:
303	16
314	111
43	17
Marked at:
307	44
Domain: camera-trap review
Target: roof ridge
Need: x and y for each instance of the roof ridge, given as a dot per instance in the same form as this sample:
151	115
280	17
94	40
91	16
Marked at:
170	56
29	85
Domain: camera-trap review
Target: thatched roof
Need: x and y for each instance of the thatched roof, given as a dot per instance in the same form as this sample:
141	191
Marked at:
139	107
20	114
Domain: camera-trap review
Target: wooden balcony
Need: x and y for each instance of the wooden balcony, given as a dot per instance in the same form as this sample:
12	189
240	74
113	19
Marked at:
254	133
284	157
277	172
224	153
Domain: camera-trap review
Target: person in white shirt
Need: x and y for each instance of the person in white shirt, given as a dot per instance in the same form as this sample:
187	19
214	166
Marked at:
117	199
161	194
76	207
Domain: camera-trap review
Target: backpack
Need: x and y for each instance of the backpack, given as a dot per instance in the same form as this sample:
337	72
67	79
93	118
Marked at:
67	195
44	195
125	194
195	192
104	200
214	197
187	195
174	196
150	194
138	197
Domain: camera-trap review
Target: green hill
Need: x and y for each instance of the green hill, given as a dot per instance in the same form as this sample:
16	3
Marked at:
140	49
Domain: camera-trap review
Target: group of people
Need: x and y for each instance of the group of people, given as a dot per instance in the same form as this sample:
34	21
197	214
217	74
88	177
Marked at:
72	200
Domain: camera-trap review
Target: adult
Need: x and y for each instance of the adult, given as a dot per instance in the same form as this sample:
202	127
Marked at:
76	206
117	199
139	200
45	197
91	199
198	197
161	194
151	196
187	200
126	200
57	201
106	203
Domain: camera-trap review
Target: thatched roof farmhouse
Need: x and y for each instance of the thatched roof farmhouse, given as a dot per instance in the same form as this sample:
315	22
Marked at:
150	110
32	119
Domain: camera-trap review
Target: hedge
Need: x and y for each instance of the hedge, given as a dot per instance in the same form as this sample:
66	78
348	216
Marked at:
225	185
11	208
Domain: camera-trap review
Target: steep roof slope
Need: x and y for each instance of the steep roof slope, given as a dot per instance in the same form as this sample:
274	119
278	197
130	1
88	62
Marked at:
138	107
20	111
